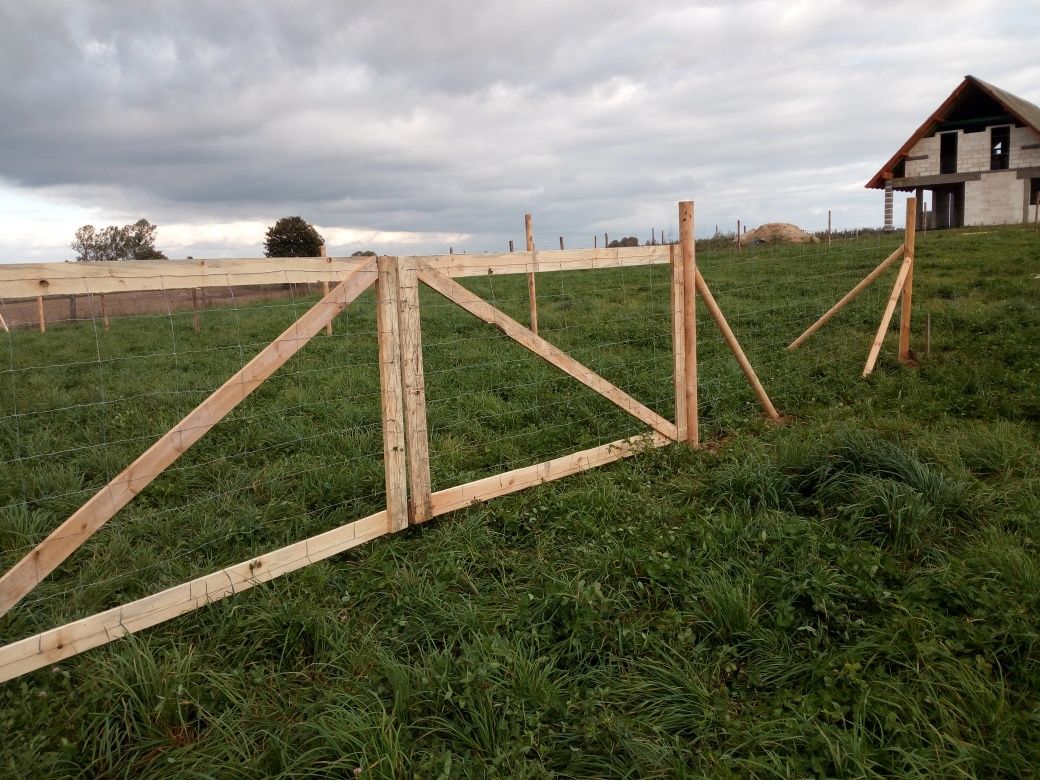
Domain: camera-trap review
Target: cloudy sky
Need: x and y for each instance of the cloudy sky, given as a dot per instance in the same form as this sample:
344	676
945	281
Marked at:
410	126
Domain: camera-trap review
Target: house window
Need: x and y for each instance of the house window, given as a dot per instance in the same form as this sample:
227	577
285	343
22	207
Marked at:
947	153
1034	191
999	148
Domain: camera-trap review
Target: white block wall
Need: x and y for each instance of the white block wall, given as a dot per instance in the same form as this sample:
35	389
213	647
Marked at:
973	152
997	198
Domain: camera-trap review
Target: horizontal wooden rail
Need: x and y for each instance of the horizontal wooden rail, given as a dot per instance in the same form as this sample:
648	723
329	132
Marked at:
57	644
31	280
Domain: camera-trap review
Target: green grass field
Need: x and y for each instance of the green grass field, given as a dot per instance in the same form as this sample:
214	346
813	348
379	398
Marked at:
853	593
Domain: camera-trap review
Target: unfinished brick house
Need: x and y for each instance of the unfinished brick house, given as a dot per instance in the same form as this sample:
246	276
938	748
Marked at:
978	155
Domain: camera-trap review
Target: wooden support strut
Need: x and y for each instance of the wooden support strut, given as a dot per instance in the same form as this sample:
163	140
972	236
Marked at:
391	393
906	305
886	318
734	347
483	310
100	508
853	293
57	644
3	324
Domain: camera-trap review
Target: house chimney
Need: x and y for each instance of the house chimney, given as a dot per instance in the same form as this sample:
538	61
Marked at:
888	204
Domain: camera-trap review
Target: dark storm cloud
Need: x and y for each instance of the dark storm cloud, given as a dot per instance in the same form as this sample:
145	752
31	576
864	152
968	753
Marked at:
459	116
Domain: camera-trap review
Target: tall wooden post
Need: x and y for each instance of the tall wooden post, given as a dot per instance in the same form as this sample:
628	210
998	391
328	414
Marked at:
510	245
595	242
104	312
392	393
828	227
738	235
41	315
414	386
606	240
561	242
532	295
3	324
908	286
195	309
689	266
678	341
325	287
73	309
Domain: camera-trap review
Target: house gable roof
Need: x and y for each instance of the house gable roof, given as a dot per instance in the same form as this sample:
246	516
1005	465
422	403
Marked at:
1022	110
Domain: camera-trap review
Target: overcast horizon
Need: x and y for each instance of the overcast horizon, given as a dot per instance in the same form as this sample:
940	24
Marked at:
410	127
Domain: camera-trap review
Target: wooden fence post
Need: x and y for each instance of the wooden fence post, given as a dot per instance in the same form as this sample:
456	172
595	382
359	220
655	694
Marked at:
738	235
104	313
392	394
595	242
3	324
689	265
414	386
561	242
73	308
908	285
678	342
195	309
828	227
510	245
325	288
531	292
42	316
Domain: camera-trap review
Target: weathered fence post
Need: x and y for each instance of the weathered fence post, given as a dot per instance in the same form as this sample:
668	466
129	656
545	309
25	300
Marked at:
531	292
325	287
42	317
909	251
828	227
678	341
392	394
195	309
738	235
104	312
689	265
561	242
414	386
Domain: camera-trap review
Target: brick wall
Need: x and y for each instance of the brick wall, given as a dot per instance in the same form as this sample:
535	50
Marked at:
973	152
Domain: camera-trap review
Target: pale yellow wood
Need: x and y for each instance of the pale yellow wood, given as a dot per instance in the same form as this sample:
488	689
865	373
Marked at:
688	250
886	318
51	279
480	308
906	305
47	555
52	646
734	347
512	481
40	314
678	343
325	291
104	312
849	296
414	384
195	309
3	324
392	394
532	296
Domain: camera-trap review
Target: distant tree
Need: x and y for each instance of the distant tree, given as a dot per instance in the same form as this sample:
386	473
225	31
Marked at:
129	242
366	253
627	241
292	237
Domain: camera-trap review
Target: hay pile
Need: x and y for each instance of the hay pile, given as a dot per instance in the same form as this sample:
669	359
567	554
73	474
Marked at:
778	233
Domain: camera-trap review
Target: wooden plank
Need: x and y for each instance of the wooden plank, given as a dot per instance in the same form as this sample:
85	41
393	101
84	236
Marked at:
325	291
532	295
47	555
849	296
886	318
50	279
480	308
906	306
734	347
391	394
688	250
512	481
52	646
58	644
678	343
40	314
414	384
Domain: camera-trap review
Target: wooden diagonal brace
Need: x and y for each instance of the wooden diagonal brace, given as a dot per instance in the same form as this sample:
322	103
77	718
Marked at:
483	310
886	318
99	509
